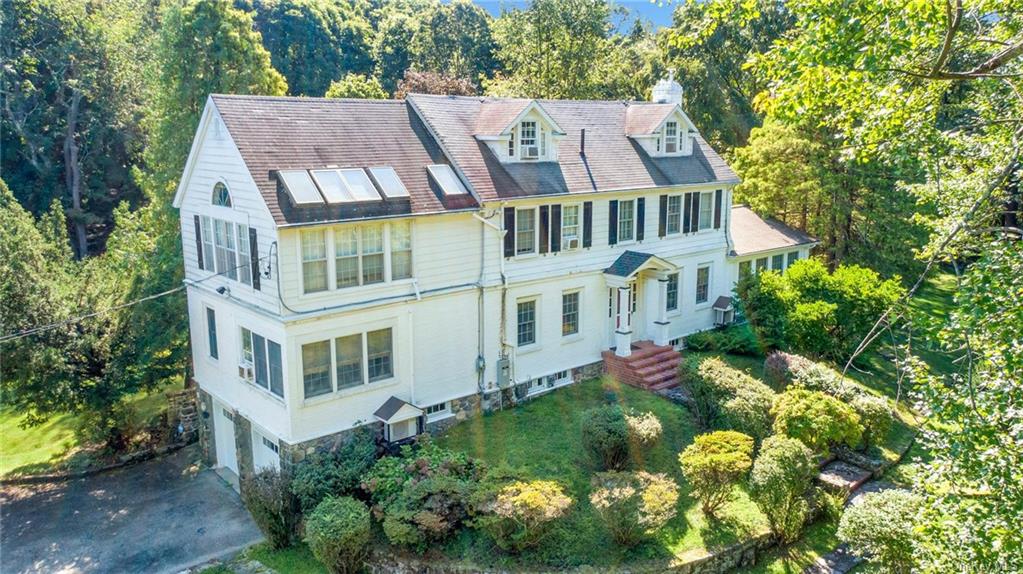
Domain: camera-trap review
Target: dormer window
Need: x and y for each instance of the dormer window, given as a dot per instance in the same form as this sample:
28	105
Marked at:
671	137
528	146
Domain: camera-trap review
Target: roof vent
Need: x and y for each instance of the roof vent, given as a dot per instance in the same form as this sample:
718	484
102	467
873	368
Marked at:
667	91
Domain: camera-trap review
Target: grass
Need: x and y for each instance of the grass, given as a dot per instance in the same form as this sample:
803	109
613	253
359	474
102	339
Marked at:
541	438
295	560
54	444
818	539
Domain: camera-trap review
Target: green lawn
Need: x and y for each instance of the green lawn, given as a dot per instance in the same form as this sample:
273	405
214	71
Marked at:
53	445
541	437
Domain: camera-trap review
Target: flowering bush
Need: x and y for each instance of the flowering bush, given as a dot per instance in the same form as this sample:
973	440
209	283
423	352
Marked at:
714	464
521	513
633	506
644	429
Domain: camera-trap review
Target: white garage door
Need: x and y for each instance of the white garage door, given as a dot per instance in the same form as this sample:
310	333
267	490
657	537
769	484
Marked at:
223	428
265	451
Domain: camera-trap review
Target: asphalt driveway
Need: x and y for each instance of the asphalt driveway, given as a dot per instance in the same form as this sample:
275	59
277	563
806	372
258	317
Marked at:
159	516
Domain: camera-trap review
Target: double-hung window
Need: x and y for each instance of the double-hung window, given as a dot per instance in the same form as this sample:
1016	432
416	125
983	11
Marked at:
671	137
401	250
372	254
761	264
706	210
261	362
569	313
672	302
525	231
626	220
570	226
792	257
357	359
346	256
314	261
526	320
674	222
778	262
211	333
528	148
226	250
702	284
207	243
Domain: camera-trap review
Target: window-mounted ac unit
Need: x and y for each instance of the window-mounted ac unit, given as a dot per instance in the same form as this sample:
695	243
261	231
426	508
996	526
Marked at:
572	243
670	147
530	152
245	372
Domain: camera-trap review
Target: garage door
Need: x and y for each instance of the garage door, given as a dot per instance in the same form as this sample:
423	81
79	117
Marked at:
223	428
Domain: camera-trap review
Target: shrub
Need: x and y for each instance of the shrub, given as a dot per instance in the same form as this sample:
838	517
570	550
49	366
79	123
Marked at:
429	510
812	327
633	505
817	419
335	473
275	510
819	377
782	474
880	528
522	513
780	368
391	475
644	429
605	436
338	531
714	464
875	415
734	339
727	397
766	299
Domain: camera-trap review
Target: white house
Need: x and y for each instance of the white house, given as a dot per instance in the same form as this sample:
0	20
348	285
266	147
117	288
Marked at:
405	264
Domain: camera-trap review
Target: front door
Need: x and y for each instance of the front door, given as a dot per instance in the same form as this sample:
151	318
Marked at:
636	307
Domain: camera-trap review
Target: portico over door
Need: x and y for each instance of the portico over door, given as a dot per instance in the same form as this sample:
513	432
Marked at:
631	275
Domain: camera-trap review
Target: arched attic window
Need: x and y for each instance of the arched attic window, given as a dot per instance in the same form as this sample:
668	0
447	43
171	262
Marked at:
221	196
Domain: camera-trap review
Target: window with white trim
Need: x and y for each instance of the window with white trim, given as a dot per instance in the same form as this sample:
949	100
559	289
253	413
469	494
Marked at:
569	313
437	411
671	137
674	219
672	302
526	322
528	146
314	261
706	210
702	284
359	253
525	231
570	236
225	246
792	257
211	333
357	359
401	250
626	220
221	195
761	264
261	362
778	262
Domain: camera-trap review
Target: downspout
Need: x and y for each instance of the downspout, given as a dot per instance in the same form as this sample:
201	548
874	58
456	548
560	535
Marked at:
504	289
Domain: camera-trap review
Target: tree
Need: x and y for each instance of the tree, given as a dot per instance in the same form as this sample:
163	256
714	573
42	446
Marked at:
710	56
313	42
356	86
817	419
454	38
880	528
391	48
416	82
782	474
714	464
69	127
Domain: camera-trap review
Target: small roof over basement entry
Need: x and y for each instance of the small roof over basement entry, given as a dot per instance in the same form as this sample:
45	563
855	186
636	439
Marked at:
395	410
631	263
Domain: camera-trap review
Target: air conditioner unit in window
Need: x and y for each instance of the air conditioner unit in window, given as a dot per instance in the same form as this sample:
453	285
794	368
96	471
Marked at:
245	372
530	152
572	243
670	147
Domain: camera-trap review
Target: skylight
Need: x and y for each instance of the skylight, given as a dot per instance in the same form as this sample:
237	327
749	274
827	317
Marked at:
331	185
388	181
359	185
446	179
300	187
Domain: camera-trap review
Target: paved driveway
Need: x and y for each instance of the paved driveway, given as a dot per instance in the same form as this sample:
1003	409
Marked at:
155	517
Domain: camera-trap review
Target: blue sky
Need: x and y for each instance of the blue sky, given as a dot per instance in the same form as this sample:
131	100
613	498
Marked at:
660	16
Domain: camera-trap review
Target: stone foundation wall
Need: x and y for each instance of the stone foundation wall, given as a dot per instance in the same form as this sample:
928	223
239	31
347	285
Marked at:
461	409
207	444
292	454
511	396
243	446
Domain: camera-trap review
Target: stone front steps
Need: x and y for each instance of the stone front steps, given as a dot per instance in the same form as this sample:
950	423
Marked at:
651	367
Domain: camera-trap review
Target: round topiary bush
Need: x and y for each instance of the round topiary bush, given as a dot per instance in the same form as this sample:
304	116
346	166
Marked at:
714	464
338	531
880	528
875	415
633	506
817	419
605	436
782	474
522	513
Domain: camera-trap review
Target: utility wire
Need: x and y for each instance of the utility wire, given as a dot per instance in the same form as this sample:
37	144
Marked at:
41	328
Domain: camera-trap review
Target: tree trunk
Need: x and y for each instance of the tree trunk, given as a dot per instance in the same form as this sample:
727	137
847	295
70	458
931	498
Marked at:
73	174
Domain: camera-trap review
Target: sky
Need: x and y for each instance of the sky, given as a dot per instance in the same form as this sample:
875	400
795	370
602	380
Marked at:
659	15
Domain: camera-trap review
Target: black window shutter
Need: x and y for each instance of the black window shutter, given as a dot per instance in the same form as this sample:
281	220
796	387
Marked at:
687	211
545	227
198	240
587	223
640	217
509	232
717	209
254	258
662	216
612	222
694	223
555	228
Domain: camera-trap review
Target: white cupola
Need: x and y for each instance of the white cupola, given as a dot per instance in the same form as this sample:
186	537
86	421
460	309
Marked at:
667	91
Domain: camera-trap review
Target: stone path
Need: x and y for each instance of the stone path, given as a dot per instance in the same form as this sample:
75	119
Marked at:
841	559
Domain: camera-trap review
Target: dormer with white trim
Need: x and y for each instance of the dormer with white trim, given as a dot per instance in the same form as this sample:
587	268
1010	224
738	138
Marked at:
663	130
518	131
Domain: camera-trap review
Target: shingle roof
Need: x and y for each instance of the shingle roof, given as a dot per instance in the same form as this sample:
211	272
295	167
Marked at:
495	115
627	263
613	160
391	407
275	133
753	234
723	302
644	119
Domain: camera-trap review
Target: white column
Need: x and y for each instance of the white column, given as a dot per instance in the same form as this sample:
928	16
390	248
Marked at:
623	321
661	323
